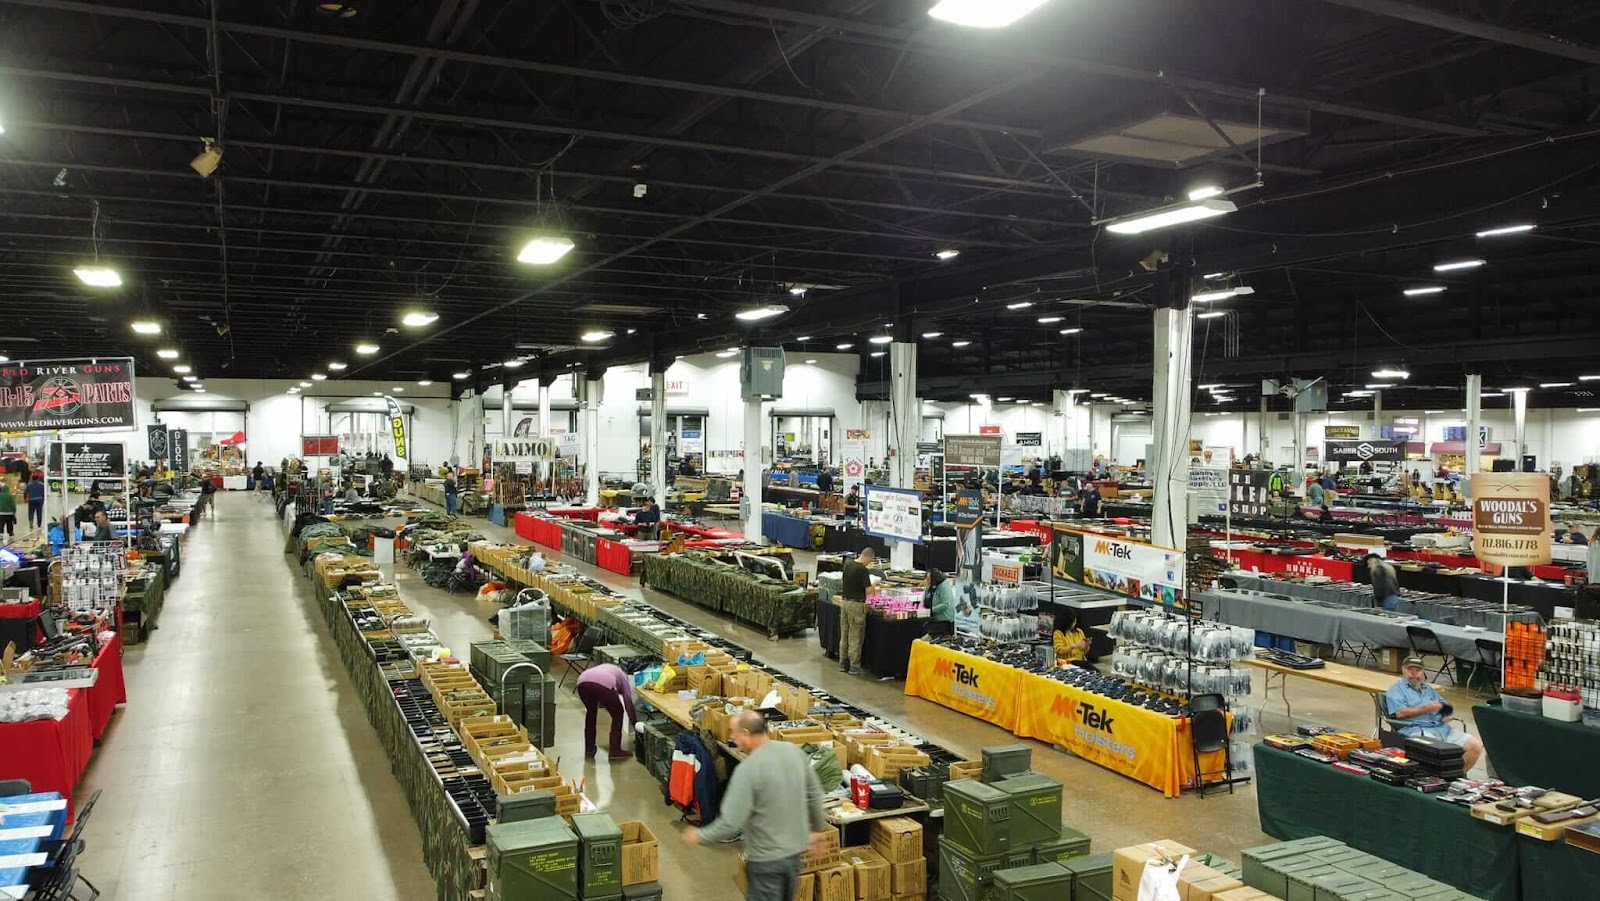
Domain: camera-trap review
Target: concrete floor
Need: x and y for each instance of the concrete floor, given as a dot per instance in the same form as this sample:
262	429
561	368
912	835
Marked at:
244	766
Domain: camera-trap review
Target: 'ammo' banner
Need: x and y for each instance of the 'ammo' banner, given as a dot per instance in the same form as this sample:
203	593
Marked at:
1138	743
67	394
962	682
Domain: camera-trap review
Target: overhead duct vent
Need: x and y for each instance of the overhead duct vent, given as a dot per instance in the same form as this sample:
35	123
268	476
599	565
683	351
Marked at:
1169	140
619	309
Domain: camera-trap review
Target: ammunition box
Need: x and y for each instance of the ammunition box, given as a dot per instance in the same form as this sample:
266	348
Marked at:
1068	844
1006	760
964	876
599	855
1091	877
1040	882
1035	809
533	859
977	817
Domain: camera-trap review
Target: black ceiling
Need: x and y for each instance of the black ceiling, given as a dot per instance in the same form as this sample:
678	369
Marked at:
392	159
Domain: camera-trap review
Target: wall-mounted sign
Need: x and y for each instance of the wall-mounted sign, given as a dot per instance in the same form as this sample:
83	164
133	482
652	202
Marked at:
1030	439
1341	431
319	445
67	394
88	461
1374	449
1129	568
894	513
691	441
972	450
1511	518
522	450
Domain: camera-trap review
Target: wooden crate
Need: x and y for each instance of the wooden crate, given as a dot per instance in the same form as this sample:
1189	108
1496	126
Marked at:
460	709
966	769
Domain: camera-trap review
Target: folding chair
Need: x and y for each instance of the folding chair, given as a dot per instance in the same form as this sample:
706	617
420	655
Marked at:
1490	655
11	787
1425	641
576	663
1208	728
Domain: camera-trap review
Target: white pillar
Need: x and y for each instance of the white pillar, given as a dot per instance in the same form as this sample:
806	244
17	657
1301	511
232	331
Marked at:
751	489
1377	414
1169	515
1519	410
1297	484
1261	452
505	411
906	415
658	443
1061	441
542	427
591	439
1474	417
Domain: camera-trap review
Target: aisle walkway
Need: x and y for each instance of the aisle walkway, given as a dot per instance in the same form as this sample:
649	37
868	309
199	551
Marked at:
243	765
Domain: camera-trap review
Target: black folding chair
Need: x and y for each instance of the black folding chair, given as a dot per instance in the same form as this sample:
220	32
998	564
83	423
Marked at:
13	787
63	876
1424	641
1490	656
576	663
1388	727
1208	727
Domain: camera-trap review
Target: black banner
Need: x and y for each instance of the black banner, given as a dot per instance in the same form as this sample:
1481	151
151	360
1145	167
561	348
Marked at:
68	394
1393	451
967	509
156	442
178	444
1249	492
88	461
1030	439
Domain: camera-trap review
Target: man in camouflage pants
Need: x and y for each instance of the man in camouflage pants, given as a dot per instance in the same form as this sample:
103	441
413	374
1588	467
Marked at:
853	611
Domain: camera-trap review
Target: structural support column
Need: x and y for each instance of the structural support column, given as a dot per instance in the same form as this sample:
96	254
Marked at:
1174	341
1474	417
589	393
1261	449
658	431
1519	410
542	427
750	489
1061	441
505	409
1377	414
905	414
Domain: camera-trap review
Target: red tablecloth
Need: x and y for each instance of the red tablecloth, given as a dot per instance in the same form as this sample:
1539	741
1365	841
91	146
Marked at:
700	531
614	555
52	754
592	514
29	610
1033	527
1303	564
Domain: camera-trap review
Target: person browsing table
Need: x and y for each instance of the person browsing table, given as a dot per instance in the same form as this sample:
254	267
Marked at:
648	519
606	685
853	610
1385	583
775	799
1422	711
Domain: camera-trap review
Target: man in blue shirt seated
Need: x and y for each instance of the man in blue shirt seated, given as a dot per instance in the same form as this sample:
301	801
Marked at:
1422	711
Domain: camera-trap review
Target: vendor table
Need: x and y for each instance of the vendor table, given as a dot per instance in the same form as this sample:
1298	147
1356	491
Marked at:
886	645
52	754
16	625
789	531
699	531
980	688
1556	869
1299	798
1302	564
1330	673
1326	624
1532	750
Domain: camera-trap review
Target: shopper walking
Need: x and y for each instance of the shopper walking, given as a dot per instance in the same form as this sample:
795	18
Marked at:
606	685
853	611
35	495
8	511
450	489
775	799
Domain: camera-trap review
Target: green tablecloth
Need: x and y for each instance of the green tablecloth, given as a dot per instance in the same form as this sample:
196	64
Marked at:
1298	798
1557	870
1531	750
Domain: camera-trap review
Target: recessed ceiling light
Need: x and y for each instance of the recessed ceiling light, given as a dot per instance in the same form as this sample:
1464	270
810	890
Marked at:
948	254
367	349
880	339
146	327
424	382
1428	289
513	364
419	318
932	335
305	384
191	378
544	250
596	335
319	376
843	346
458	376
181	369
959	343
336	366
1506	230
1019	305
1455	265
167	353
1047	320
1069	331
98	276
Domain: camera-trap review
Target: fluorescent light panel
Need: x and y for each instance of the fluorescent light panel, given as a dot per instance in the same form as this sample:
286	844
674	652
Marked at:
1428	289
1170	216
880	339
948	254
419	318
544	250
595	336
1456	265
756	314
1506	230
983	13
98	276
146	327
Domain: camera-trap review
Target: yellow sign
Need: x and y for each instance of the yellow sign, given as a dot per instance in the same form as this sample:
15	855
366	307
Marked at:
962	682
1511	518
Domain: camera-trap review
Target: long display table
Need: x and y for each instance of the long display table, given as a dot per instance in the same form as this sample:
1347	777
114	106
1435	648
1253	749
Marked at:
1142	744
1325	624
1532	750
885	646
1299	798
782	608
52	754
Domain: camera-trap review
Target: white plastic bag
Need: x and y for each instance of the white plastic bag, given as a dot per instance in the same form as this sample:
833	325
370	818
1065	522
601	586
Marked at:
1160	880
536	562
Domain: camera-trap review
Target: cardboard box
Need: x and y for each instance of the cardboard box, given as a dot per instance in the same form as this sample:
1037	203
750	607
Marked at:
805	887
1128	865
908	877
835	884
794	701
1552	832
871	873
897	839
1208	889
1489	812
641	854
828	857
1244	894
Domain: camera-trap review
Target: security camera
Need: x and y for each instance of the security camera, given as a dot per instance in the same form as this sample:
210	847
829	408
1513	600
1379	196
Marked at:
640	189
208	160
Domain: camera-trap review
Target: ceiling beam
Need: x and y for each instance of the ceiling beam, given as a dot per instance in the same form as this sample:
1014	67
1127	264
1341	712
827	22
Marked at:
1548	44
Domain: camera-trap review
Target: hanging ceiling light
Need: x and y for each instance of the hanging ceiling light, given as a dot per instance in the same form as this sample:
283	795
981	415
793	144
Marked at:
1506	230
397	389
880	339
513	364
1019	305
367	348
1204	192
146	327
319	376
167	353
544	250
1168	216
983	13
191	378
98	276
1456	265
1049	320
1069	331
337	366
550	242
766	311
959	343
932	335
1391	374
458	376
596	335
843	345
1211	315
1426	289
305	384
1222	294
419	318
877	353
182	369
949	253
423	383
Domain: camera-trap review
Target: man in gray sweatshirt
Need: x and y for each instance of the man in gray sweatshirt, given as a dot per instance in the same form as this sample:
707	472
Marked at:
1385	583
775	799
